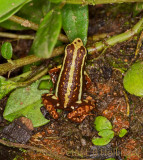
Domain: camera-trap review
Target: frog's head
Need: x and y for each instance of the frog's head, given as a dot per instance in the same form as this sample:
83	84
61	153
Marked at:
78	42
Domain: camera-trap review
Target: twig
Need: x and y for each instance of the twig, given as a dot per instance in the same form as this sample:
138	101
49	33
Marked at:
46	151
21	76
93	2
119	69
34	26
11	35
127	103
117	39
38	76
100	56
98	37
5	67
24	22
139	45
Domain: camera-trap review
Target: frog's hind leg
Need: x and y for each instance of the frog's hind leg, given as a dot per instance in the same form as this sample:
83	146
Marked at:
51	102
82	109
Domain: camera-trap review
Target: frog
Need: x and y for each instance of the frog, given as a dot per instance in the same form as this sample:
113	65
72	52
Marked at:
69	86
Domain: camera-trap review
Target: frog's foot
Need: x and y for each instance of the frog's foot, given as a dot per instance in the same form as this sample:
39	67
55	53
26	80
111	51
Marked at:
50	102
82	110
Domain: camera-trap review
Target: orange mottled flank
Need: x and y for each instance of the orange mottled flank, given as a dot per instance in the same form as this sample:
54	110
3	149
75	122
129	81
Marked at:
69	87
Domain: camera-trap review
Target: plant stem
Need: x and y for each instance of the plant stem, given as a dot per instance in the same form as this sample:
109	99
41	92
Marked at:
46	151
34	26
23	75
11	35
139	45
6	67
116	39
24	22
61	37
93	2
98	37
38	76
127	103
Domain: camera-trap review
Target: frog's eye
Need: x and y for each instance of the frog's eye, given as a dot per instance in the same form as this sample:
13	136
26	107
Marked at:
79	40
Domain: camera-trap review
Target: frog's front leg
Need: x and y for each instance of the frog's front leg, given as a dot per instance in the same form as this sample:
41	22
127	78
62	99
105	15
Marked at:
51	102
81	109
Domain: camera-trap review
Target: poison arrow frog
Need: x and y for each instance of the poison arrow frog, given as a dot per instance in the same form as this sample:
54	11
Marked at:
69	87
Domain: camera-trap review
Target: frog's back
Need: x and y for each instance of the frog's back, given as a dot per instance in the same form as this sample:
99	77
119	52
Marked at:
70	81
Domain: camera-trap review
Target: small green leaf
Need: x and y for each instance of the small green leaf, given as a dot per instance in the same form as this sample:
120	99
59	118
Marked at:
47	34
106	133
6	86
75	21
8	8
46	84
110	159
133	79
137	8
26	102
122	132
6	50
100	141
102	123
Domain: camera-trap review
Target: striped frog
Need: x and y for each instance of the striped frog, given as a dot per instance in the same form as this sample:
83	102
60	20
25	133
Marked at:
69	87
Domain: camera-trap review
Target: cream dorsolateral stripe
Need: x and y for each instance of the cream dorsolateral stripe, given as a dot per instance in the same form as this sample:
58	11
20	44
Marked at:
71	72
59	78
81	77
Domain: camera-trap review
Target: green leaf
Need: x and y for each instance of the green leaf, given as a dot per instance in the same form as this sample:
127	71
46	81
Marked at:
8	8
133	79
47	34
33	11
110	159
6	50
56	1
26	102
102	123
75	21
122	132
107	133
6	86
137	8
100	141
11	25
46	84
